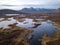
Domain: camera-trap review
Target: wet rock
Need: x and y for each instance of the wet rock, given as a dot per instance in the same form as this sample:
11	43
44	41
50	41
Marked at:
30	37
36	25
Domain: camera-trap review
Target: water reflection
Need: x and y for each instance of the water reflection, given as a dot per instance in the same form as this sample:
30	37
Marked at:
45	27
39	28
4	24
27	23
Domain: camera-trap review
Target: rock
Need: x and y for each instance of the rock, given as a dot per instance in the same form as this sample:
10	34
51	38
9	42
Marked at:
30	37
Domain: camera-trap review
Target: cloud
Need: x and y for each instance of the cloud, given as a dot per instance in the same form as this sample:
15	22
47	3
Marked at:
7	5
18	4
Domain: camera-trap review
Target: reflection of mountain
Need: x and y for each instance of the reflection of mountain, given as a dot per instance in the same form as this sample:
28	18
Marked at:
29	10
8	11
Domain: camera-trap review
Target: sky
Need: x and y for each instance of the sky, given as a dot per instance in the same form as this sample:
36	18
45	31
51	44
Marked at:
19	4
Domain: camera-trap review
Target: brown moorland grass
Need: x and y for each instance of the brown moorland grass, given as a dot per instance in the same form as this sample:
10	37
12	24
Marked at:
13	36
54	40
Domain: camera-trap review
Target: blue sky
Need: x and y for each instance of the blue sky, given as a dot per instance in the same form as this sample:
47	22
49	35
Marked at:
19	4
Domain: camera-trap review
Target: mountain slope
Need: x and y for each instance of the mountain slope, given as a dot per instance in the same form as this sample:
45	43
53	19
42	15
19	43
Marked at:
31	10
8	11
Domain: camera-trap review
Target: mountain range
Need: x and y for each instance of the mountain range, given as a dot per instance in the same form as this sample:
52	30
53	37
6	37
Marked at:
27	10
9	11
31	10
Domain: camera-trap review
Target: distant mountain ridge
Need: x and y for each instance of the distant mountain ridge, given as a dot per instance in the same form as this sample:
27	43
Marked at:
31	10
8	11
57	10
28	10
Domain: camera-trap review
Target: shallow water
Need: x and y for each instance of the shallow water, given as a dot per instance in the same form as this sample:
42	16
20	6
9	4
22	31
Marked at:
4	24
46	27
27	23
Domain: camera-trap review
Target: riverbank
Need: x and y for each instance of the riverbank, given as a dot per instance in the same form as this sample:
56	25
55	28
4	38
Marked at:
57	24
13	36
54	40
